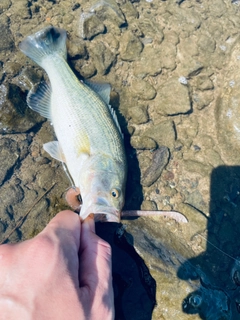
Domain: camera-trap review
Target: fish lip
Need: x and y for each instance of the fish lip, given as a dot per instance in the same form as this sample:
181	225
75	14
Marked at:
111	213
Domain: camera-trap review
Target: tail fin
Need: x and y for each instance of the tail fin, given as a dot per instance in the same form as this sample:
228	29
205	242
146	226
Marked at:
45	42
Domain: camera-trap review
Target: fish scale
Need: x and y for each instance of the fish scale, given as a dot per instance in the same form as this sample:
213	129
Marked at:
79	115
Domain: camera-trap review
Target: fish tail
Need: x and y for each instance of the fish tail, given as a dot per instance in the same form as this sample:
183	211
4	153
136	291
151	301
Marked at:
45	42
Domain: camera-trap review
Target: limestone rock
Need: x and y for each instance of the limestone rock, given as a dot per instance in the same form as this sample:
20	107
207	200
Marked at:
15	116
163	133
148	205
167	55
202	100
90	25
108	10
173	98
130	46
204	83
142	89
6	39
9	155
4	5
206	43
102	56
141	142
138	114
28	78
159	162
149	63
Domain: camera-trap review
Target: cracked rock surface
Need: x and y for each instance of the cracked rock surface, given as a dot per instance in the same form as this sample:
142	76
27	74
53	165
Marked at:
174	71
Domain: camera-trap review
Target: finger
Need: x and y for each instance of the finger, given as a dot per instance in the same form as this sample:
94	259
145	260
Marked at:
95	260
67	226
61	240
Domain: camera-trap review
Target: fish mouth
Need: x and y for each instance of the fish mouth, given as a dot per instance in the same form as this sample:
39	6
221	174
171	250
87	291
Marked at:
101	212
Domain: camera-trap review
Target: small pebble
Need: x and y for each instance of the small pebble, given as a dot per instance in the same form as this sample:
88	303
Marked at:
183	80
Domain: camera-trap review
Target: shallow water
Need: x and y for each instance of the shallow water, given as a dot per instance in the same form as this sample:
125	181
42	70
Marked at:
174	70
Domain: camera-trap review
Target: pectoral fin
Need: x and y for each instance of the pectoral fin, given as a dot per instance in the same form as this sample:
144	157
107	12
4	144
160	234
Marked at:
53	148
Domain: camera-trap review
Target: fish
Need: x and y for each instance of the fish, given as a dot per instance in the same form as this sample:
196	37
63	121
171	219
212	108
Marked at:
89	138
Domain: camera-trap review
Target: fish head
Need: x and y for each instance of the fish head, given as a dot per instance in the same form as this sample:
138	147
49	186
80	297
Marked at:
102	187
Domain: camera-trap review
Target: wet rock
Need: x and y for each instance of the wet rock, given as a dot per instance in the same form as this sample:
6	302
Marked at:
197	167
197	221
6	39
45	177
171	37
167	55
28	78
4	5
154	171
77	49
108	10
10	195
12	68
148	205
130	46
163	133
68	18
15	116
173	98
195	200
139	142
148	64
217	8
129	11
2	227
190	67
9	155
90	25
142	89
188	47
204	83
227	110
138	114
206	43
21	9
202	100
150	28
187	18
102	56
87	68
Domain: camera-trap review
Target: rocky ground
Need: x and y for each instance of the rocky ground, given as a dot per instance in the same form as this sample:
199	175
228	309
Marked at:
174	70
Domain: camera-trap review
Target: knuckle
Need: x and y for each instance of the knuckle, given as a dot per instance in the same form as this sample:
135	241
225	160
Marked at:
44	246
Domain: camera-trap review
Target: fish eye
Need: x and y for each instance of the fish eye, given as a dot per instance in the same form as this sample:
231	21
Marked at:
115	193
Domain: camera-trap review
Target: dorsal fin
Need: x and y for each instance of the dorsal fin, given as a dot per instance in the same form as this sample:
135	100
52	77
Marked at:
39	99
102	89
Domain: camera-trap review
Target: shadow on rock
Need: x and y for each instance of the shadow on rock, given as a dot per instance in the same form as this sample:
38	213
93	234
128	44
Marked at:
218	268
134	287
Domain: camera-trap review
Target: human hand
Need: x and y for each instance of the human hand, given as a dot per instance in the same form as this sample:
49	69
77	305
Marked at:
63	273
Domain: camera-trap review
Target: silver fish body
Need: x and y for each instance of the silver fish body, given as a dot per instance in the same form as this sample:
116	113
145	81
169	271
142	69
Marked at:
90	141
